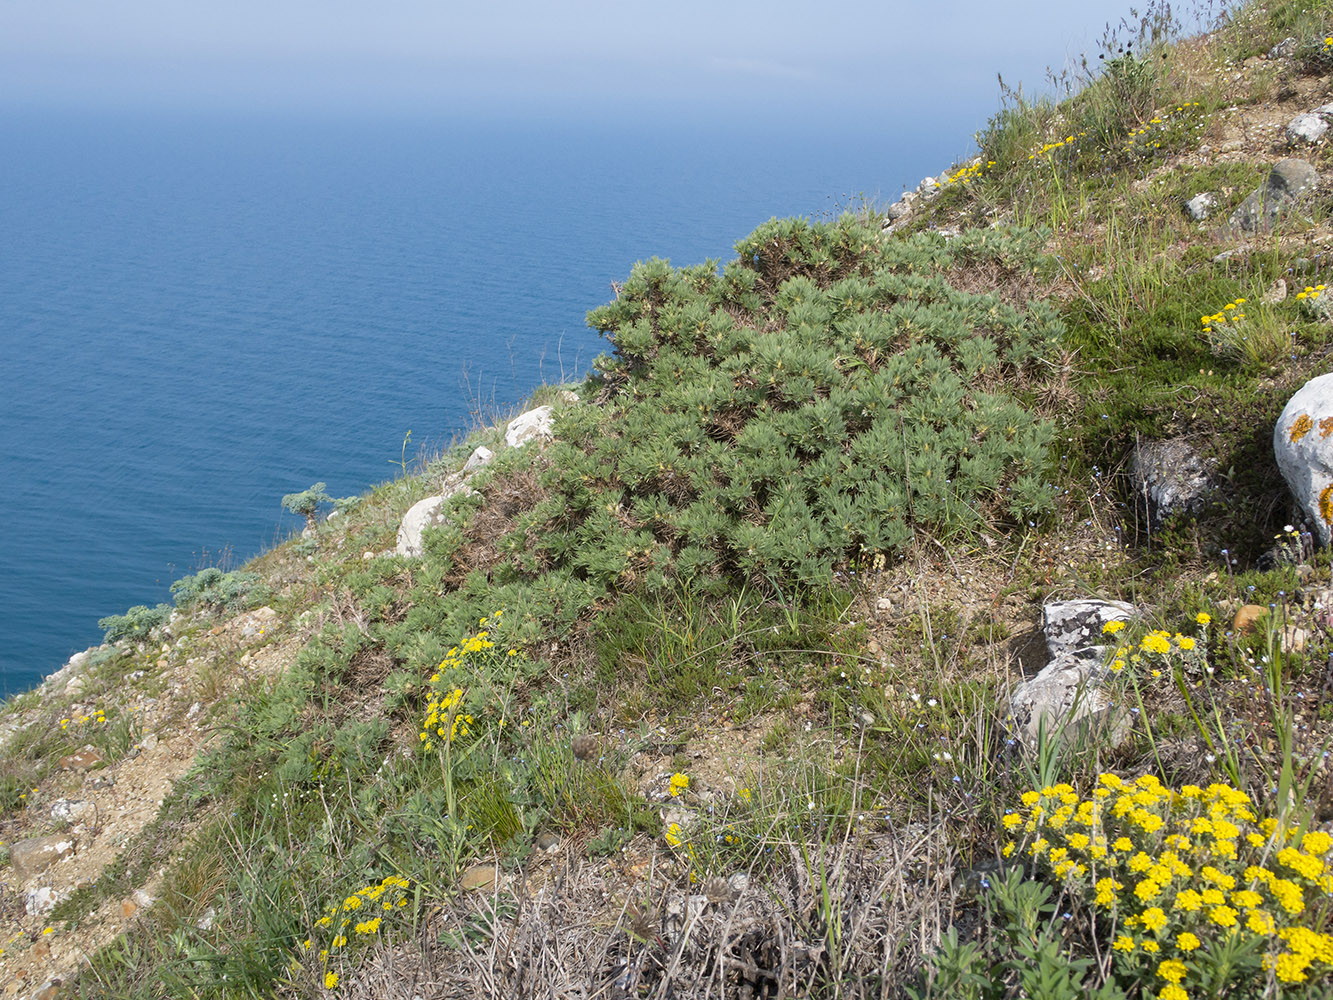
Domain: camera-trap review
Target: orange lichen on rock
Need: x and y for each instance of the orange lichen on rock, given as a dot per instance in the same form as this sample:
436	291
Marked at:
1326	427
1300	427
1326	504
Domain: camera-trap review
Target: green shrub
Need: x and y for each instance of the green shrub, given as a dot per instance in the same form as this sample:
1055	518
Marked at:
816	400
135	624
218	591
306	503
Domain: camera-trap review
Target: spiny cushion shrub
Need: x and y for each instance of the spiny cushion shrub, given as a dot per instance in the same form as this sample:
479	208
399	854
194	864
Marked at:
213	589
135	624
818	398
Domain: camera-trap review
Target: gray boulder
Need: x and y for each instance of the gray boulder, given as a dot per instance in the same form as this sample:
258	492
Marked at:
427	513
1168	477
1068	691
1284	49
36	854
1201	206
534	425
477	460
1306	129
1076	626
1289	187
1303	446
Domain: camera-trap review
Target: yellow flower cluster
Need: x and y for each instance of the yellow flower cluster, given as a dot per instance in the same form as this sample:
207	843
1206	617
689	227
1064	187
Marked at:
1231	312
97	717
444	717
965	174
390	894
679	782
1051	147
1143	138
1156	643
1310	292
1182	872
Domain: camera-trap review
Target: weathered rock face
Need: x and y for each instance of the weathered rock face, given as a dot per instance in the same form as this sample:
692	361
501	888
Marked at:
1076	626
36	854
1201	206
534	425
1306	129
1289	186
1068	691
424	514
1168	477
1303	446
479	459
75	812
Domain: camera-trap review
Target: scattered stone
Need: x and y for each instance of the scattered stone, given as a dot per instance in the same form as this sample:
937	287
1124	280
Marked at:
1201	206
206	922
1076	626
1067	692
1306	129
143	898
568	396
1168	477
75	687
1284	49
1294	639
74	812
535	425
479	877
546	842
584	746
49	990
83	760
367	555
1249	618
479	459
149	742
1303	446
428	513
41	900
128	908
36	854
1277	292
1289	186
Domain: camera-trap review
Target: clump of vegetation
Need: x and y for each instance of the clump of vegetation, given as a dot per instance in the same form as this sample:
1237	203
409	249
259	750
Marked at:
135	624
214	590
816	400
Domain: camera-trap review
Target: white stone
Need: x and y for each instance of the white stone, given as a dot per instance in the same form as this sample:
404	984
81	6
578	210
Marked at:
1067	693
1072	626
1200	206
1306	128
40	901
535	425
74	812
478	459
1303	446
428	513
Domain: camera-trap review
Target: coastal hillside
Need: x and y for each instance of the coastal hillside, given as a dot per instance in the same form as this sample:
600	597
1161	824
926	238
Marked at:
934	601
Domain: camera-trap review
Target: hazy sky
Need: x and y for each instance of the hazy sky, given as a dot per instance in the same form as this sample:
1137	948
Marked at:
843	56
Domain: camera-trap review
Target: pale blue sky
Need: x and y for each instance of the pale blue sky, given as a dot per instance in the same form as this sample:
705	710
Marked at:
847	57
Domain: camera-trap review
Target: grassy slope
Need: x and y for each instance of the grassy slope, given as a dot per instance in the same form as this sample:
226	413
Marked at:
844	741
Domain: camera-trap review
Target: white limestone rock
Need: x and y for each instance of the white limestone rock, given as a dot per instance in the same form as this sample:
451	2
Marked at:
1201	206
1306	129
1303	446
424	514
1076	626
535	425
479	459
1068	692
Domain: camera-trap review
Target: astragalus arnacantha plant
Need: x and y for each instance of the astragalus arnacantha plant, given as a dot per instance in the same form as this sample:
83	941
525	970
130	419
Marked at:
1193	893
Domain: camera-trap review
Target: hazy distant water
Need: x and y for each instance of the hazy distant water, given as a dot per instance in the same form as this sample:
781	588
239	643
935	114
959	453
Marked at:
200	315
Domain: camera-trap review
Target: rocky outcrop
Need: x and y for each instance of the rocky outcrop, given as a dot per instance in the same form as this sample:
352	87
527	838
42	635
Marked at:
1069	690
34	855
428	513
1289	187
534	425
1201	206
1168	477
1303	446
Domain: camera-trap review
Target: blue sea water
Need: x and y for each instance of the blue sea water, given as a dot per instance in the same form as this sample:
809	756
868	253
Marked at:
200	314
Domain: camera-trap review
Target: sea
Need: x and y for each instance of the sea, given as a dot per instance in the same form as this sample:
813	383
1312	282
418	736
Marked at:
201	312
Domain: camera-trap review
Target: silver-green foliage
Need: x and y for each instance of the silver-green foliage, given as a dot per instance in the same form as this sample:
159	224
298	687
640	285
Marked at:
819	398
135	624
